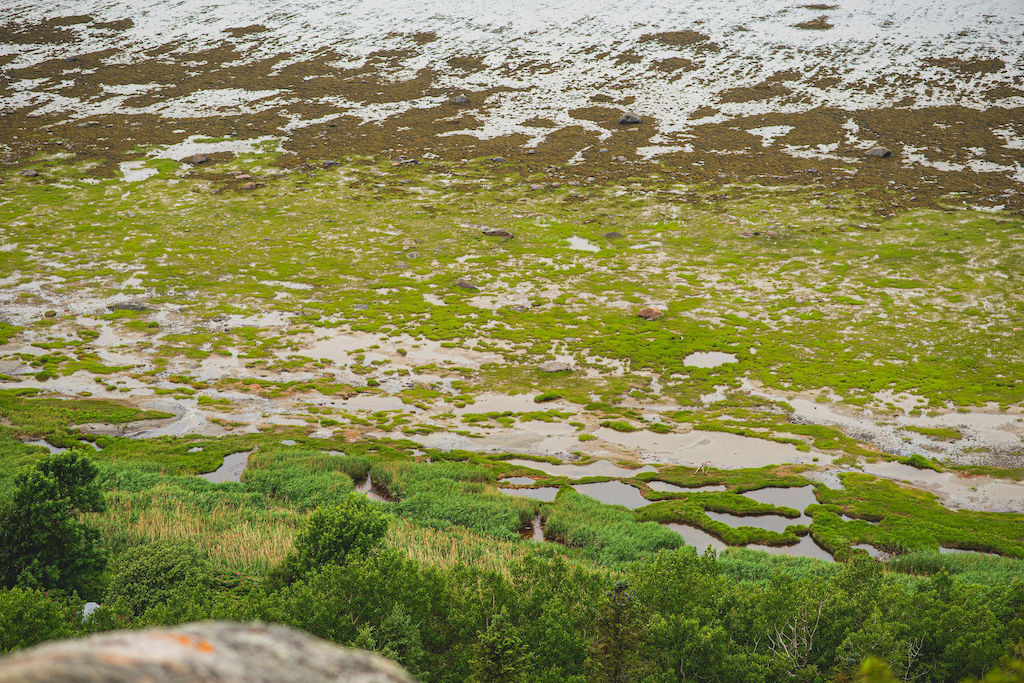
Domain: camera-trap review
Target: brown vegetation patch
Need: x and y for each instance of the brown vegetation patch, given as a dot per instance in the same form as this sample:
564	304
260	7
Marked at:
754	93
969	66
817	24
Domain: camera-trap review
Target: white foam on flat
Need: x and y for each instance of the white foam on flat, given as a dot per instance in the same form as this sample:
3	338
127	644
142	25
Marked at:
555	55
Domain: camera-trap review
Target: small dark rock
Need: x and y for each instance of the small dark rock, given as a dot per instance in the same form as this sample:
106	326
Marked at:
50	314
128	306
554	366
629	119
197	159
328	164
880	152
519	308
460	99
498	160
463	283
612	235
499	232
620	159
531	151
29	173
412	255
406	161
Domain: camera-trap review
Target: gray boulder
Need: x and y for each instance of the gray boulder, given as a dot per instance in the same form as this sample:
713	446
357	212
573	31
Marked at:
881	152
629	118
213	652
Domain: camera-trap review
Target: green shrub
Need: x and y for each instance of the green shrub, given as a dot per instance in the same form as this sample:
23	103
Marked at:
29	616
609	534
149	574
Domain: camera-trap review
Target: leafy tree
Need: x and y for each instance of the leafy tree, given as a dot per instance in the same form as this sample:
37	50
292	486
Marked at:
331	534
43	543
29	616
499	655
615	652
149	574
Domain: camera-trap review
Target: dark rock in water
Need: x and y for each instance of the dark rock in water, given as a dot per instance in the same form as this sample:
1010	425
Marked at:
460	99
499	232
554	366
879	152
629	119
650	313
213	652
197	159
29	173
360	307
612	235
128	306
463	283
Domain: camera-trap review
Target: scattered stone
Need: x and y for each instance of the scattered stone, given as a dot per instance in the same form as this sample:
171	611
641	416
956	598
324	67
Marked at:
519	308
412	255
250	185
88	124
629	119
531	151
460	99
880	152
603	150
406	161
197	159
554	366
215	652
360	307
650	313
498	160
29	173
612	235
536	186
621	159
463	283
328	164
50	314
88	608
499	232
128	306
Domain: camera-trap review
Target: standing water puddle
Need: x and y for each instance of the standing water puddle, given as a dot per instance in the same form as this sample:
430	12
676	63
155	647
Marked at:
665	487
796	497
614	493
697	538
708	359
598	468
516	481
372	492
805	548
769	522
533	532
230	470
545	494
582	244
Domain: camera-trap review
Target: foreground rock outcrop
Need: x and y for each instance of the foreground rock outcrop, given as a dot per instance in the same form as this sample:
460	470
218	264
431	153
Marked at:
207	651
